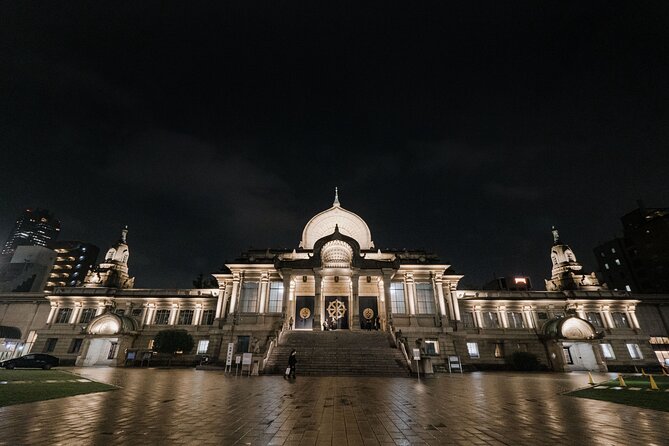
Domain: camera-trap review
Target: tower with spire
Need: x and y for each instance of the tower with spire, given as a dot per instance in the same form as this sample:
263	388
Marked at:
113	271
566	270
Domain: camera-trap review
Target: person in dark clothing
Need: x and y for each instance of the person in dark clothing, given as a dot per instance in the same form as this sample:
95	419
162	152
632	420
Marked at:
292	360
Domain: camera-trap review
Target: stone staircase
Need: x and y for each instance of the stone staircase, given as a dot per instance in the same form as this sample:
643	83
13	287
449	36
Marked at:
338	353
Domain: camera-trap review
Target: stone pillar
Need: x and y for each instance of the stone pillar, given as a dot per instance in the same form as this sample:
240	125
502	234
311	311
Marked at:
411	292
264	289
197	315
389	306
608	320
221	301
148	316
318	305
631	312
504	321
52	313
75	313
355	306
287	296
529	321
478	316
438	283
173	314
235	292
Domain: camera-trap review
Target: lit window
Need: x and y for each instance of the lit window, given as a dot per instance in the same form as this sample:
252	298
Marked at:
162	317
63	315
275	297
628	288
515	319
613	250
473	349
431	347
607	351
595	319
635	351
424	298
566	354
397	297
202	346
185	317
87	315
606	265
490	319
620	320
150	346
249	298
617	261
499	350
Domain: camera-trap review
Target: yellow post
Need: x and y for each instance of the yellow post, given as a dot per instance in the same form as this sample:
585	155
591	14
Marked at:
653	385
621	381
643	372
590	381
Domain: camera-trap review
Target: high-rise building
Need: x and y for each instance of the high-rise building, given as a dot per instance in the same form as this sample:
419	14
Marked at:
639	260
73	261
35	227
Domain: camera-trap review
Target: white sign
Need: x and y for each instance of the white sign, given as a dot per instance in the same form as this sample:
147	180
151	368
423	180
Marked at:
228	357
416	354
238	359
247	359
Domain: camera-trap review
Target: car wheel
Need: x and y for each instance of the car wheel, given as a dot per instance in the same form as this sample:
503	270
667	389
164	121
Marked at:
46	366
9	366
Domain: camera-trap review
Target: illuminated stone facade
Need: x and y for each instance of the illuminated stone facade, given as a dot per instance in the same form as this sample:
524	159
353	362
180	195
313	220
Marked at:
337	278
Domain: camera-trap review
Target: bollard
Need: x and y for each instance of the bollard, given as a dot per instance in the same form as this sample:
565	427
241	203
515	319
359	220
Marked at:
653	385
643	372
590	381
621	381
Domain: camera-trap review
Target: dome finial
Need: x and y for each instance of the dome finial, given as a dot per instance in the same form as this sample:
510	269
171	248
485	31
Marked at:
124	234
556	236
336	200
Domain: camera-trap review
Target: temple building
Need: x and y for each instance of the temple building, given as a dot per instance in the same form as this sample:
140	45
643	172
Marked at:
337	279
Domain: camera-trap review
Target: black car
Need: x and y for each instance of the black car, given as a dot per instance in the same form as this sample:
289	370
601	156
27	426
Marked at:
32	361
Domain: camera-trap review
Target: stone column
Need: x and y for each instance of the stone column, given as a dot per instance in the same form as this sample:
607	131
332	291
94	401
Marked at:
235	292
264	288
504	321
411	292
197	315
318	305
148	316
75	313
173	314
438	283
52	313
608	320
287	296
221	301
527	311
631	312
388	302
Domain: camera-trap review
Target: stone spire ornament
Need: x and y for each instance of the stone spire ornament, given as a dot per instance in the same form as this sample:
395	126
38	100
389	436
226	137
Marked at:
556	236
336	200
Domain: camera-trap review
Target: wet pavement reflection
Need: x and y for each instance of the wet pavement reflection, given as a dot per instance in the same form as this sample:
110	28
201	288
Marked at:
185	406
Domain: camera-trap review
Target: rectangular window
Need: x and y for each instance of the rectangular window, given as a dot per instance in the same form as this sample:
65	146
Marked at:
185	317
521	347
275	304
50	345
87	315
473	349
595	319
542	315
113	348
136	312
620	320
75	345
628	288
431	347
468	320
607	351
635	351
63	315
490	319
425	298
566	353
617	261
499	350
606	265
202	346
150	345
162	317
249	298
397	303
515	319
207	317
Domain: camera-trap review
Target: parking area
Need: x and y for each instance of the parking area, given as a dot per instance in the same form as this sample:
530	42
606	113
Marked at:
186	406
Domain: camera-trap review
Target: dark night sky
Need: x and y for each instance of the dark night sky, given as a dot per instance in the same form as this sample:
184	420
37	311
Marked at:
465	128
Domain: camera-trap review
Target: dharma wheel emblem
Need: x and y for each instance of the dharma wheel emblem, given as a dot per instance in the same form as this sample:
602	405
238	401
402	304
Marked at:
305	313
368	313
336	309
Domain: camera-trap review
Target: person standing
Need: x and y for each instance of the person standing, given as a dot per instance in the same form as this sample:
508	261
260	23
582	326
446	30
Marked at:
292	360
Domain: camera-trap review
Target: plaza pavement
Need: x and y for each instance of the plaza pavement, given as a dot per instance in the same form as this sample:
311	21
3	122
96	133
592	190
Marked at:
186	406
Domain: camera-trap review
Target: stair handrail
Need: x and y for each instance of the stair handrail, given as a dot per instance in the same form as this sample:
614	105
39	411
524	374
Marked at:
404	352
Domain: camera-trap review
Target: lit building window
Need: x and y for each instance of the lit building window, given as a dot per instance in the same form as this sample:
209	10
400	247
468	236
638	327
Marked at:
613	250
424	298
473	349
635	351
617	261
606	265
207	317
202	346
249	298
490	319
620	320
63	315
431	347
150	346
628	288
499	350
595	319
162	317
275	303
397	298
566	353
185	317
87	315
515	319
607	351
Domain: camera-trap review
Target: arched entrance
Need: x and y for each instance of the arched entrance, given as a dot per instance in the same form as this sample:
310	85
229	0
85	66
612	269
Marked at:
572	346
107	337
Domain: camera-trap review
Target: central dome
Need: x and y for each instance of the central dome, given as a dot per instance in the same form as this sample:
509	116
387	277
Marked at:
323	224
